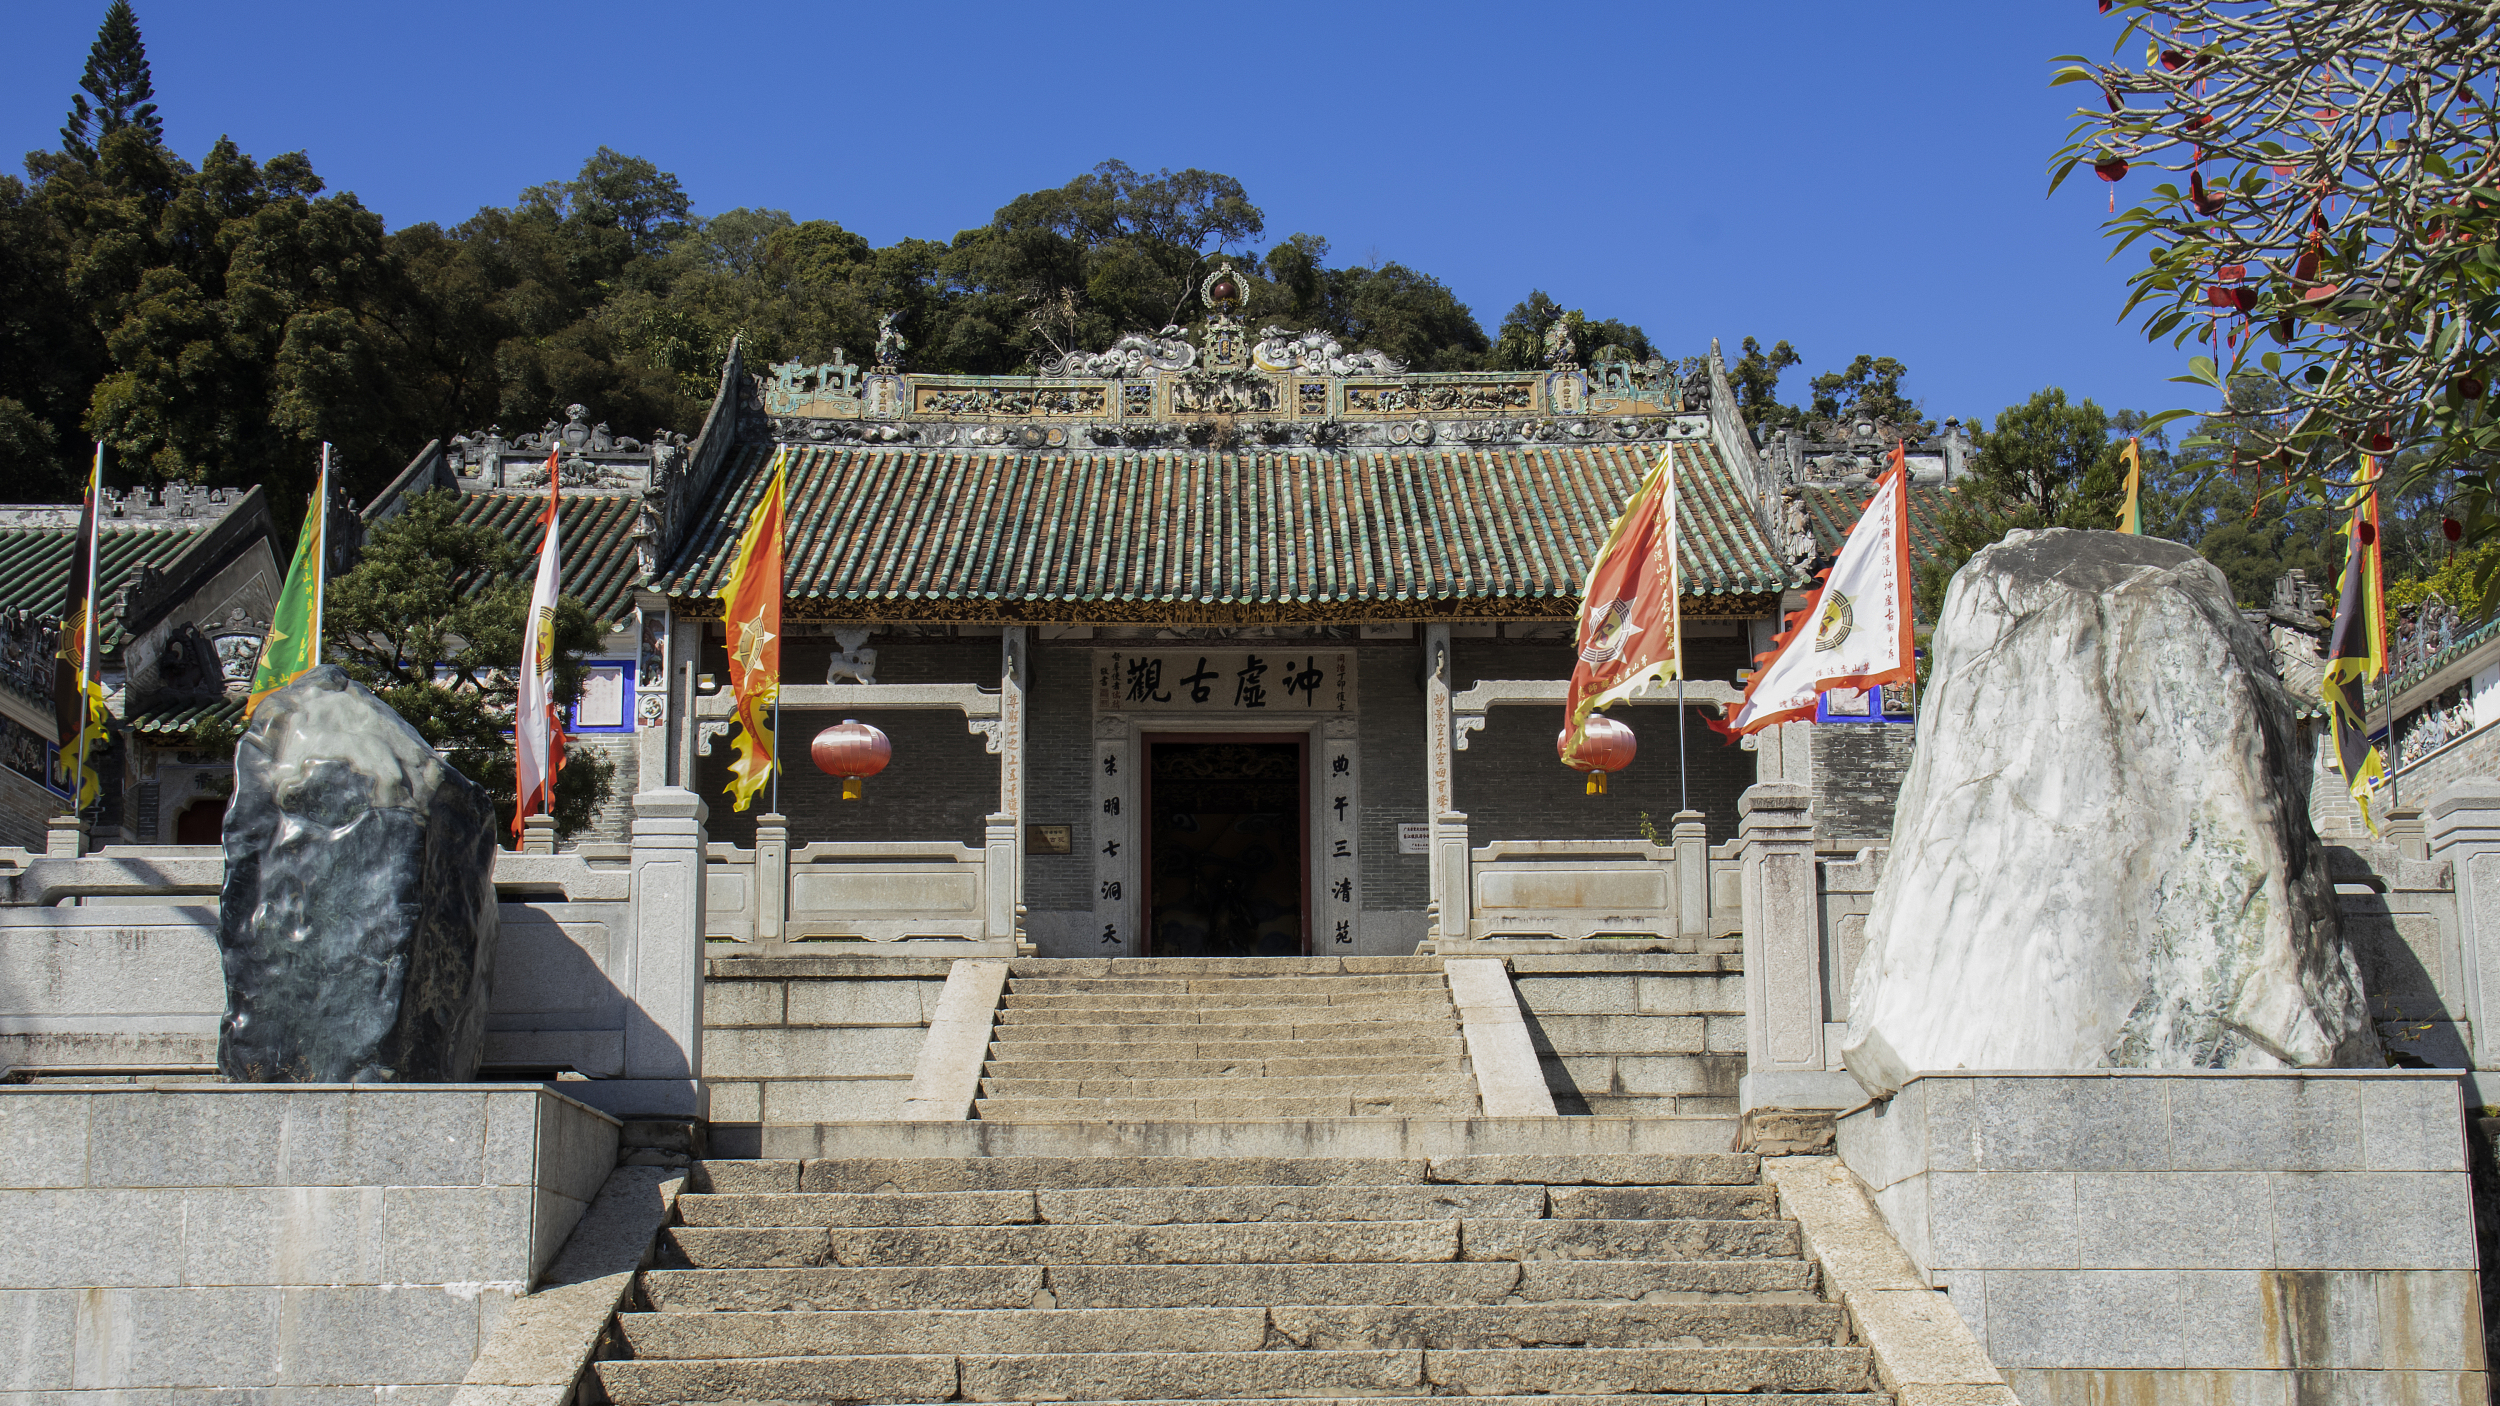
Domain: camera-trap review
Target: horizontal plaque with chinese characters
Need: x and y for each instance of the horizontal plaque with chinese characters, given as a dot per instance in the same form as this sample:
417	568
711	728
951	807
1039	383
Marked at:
1238	682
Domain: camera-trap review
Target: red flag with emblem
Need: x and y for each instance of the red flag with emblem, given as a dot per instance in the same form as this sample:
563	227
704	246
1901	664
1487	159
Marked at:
1631	631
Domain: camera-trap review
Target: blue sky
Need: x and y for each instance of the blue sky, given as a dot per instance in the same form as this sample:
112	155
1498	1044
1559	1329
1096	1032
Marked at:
1854	177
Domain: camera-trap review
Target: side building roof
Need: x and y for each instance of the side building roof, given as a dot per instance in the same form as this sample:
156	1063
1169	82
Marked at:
898	532
1831	512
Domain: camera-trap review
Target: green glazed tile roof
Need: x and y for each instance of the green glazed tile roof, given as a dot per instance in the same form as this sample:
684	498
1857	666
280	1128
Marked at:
599	565
1138	534
1831	512
181	722
34	568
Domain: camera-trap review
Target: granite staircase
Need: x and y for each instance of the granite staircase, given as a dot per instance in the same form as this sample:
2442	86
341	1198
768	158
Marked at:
1556	1279
1197	1038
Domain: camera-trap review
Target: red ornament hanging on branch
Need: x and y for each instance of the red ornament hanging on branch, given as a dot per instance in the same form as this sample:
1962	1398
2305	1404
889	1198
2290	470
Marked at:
1608	747
852	750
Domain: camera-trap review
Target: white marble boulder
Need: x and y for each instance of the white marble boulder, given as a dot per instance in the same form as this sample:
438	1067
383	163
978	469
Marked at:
2102	855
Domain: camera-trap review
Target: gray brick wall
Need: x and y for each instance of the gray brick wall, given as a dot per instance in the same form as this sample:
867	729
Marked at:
1512	788
1858	768
940	785
1059	787
2476	755
1392	736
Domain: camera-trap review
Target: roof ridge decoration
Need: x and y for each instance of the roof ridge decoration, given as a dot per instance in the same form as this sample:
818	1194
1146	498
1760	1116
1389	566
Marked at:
1217	387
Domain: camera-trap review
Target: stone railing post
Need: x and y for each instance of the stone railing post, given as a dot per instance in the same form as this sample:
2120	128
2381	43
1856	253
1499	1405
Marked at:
538	834
2462	824
772	878
1784	1056
65	837
998	876
1452	884
664	1023
1692	875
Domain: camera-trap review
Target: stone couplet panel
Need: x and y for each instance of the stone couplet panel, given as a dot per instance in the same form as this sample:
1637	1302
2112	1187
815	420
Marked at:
2259	1236
320	1237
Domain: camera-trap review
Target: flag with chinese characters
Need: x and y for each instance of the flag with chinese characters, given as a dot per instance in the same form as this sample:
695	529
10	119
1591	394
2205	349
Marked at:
1855	632
294	642
1631	631
537	732
751	612
78	712
2356	651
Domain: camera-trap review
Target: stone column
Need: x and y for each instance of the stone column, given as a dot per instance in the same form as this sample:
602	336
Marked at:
1013	676
538	834
1440	800
655	705
664	977
772	877
1451	904
1692	875
1784	1058
2462	823
1000	845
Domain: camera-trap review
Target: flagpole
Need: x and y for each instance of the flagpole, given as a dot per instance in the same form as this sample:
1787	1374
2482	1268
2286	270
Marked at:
321	548
1683	784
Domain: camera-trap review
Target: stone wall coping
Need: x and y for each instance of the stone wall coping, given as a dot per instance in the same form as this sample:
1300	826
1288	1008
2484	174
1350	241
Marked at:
184	1086
2448	1075
775	968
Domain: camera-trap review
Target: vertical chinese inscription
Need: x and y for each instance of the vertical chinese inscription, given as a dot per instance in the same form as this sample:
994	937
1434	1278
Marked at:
1337	907
1118	896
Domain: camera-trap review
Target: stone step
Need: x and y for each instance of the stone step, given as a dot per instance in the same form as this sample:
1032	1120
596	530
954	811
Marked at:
1359	1003
1232	1285
1119	1206
1221	1108
1462	1281
1200	1376
1339	1085
1195	1045
1397	1036
1299	1327
1287	986
1198	967
1047	1173
1259	1242
1381	1066
1393	1011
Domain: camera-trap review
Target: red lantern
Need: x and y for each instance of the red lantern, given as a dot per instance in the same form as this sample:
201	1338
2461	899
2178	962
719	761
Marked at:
1607	747
852	750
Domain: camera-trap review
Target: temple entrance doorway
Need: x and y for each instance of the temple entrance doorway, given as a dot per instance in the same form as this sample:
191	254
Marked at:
1227	859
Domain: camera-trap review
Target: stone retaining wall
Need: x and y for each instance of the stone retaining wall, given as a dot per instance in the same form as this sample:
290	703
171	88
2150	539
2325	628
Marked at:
2205	1235
812	1039
329	1241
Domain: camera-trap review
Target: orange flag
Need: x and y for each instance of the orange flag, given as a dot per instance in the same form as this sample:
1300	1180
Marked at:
1631	631
752	612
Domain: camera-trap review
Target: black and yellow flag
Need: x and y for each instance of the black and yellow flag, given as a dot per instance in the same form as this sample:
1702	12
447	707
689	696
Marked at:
2357	650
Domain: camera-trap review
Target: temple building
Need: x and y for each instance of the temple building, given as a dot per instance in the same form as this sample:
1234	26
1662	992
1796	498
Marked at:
1241	643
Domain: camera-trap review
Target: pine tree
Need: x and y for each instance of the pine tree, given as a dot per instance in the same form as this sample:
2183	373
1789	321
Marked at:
117	75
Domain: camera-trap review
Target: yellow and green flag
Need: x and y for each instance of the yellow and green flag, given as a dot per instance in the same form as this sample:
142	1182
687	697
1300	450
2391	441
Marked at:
79	713
294	643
